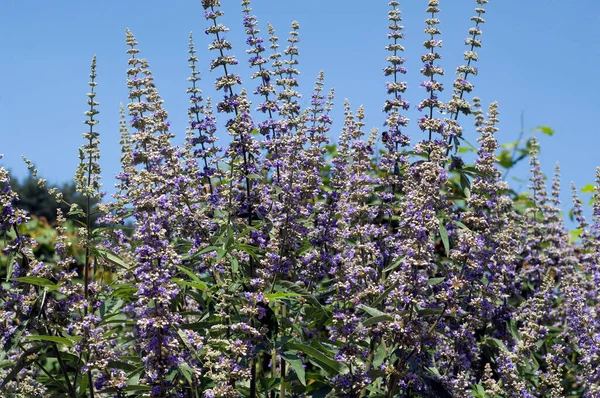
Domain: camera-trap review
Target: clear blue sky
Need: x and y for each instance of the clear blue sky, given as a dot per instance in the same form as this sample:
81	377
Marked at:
539	57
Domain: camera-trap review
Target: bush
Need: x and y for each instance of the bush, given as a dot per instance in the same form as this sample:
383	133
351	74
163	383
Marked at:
287	266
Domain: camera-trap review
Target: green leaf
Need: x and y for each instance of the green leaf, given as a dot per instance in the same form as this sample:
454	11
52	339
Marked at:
6	364
200	286
127	388
122	365
280	296
9	265
589	188
394	265
329	365
206	250
112	258
467	192
296	364
53	339
37	281
383	295
444	236
83	385
505	159
575	234
494	342
189	273
292	287
545	130
235	265
377	319
435	281
511	326
430	311
477	391
461	225
187	371
370	310
464	181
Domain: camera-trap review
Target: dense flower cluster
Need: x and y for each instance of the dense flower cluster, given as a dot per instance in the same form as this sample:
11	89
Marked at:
280	265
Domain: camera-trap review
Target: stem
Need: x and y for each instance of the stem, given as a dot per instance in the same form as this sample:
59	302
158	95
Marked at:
72	392
282	384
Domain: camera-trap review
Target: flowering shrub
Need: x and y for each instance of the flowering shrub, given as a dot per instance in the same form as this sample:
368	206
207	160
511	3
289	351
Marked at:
279	265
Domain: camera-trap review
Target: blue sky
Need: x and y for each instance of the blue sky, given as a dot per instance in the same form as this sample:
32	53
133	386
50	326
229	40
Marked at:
539	57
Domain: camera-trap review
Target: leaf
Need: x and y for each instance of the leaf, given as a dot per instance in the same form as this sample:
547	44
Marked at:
189	273
394	265
9	265
112	258
464	181
206	250
83	385
235	265
589	188
545	130
122	365
467	192
53	339
37	281
435	281
575	234
430	311
370	310
383	295
505	159
280	296
200	286
494	342
511	326
377	319
126	388
291	286
296	364
444	236
329	365
187	372
461	225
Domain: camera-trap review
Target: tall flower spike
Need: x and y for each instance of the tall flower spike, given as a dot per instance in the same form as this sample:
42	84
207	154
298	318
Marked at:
256	47
148	116
394	138
287	72
257	61
270	128
228	80
231	102
458	104
430	70
87	176
461	85
202	126
318	113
